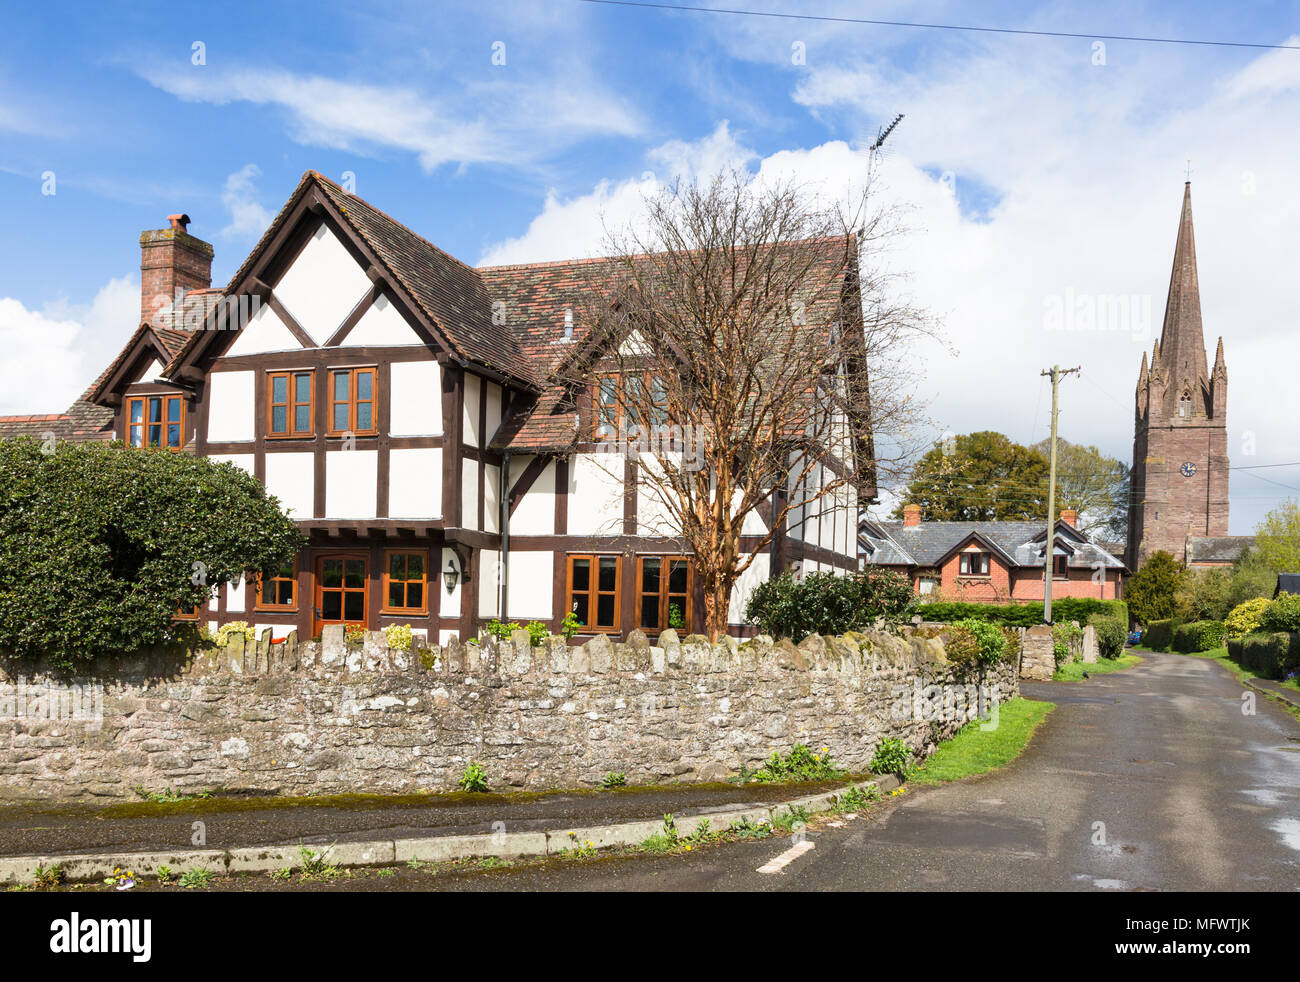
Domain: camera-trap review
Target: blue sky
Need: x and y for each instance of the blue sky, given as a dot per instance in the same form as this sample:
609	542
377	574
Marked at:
1030	170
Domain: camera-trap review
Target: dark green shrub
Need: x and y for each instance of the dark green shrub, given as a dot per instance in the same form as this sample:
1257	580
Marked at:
1111	634
1282	614
1159	635
826	603
1198	636
101	544
1270	655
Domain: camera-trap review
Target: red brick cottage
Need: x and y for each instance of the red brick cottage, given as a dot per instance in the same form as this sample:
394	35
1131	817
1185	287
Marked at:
990	562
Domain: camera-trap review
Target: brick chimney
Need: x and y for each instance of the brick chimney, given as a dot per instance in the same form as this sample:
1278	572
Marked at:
911	515
1070	517
171	259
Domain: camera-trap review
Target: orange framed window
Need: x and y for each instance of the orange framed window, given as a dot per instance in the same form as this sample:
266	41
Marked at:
155	421
595	591
663	592
187	615
352	402
290	404
406	582
278	592
619	397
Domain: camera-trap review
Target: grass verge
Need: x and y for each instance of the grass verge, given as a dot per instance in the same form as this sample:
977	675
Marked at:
975	750
1073	671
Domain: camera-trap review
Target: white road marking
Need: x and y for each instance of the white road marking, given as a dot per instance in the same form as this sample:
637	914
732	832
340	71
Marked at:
780	862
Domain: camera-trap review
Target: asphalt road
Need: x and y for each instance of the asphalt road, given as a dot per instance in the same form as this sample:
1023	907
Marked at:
1148	779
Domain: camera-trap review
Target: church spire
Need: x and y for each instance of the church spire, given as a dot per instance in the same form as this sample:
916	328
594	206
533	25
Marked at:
1182	343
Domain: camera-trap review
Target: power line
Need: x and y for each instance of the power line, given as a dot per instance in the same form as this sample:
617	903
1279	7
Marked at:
938	27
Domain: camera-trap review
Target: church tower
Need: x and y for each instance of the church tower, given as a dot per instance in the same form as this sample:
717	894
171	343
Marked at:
1180	437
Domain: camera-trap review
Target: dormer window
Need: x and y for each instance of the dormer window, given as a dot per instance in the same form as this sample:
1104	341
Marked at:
619	398
155	421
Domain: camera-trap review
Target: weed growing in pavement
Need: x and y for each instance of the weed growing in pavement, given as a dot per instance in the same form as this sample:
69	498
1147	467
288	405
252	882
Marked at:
196	878
793	815
315	866
743	828
800	764
48	876
856	798
167	795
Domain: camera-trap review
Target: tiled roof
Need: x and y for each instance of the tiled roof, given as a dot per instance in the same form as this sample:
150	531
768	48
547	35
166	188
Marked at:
452	294
534	298
1217	548
929	542
82	422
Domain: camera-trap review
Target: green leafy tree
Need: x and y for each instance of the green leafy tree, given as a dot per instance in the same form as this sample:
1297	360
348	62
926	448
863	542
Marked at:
1151	591
1094	485
101	544
1277	537
1251	577
1204	595
981	476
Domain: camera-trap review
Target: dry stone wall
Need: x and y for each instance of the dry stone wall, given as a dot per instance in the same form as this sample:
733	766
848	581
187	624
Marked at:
325	718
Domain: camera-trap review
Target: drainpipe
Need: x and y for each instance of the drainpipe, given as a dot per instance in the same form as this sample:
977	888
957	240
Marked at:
504	504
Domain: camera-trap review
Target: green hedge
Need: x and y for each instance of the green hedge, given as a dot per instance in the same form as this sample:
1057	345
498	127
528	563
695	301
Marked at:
1282	614
1111	634
1269	655
1025	615
1159	635
1198	636
827	603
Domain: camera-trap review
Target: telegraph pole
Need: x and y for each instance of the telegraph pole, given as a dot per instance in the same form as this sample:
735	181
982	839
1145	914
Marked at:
1049	547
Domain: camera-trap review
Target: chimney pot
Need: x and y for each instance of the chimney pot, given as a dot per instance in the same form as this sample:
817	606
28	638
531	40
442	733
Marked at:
179	222
911	515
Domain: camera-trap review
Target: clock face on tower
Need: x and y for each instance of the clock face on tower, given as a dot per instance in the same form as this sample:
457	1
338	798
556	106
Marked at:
1188	469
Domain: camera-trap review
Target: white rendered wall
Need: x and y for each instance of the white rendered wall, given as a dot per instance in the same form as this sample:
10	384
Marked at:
535	513
758	572
264	332
382	326
530	585
415	483
448	603
323	286
469	494
492	499
231	404
351	478
489	582
596	494
492	393
244	461
291	477
473	392
415	407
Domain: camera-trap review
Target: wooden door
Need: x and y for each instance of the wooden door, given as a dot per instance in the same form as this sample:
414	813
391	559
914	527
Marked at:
342	589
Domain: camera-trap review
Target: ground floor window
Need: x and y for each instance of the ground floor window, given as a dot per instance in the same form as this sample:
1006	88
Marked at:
341	586
595	591
663	598
406	582
280	591
926	585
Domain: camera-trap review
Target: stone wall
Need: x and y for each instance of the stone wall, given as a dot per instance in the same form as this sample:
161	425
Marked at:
325	718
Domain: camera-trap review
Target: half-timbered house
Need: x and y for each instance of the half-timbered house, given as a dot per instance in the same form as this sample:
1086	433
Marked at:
406	410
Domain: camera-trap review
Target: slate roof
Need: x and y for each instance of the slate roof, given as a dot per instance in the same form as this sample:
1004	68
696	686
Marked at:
1217	548
1287	583
926	544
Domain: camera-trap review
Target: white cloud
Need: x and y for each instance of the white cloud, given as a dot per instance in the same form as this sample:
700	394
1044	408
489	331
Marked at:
248	219
513	124
53	354
1063	181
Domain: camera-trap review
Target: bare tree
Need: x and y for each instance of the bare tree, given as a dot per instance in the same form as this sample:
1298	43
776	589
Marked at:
731	338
